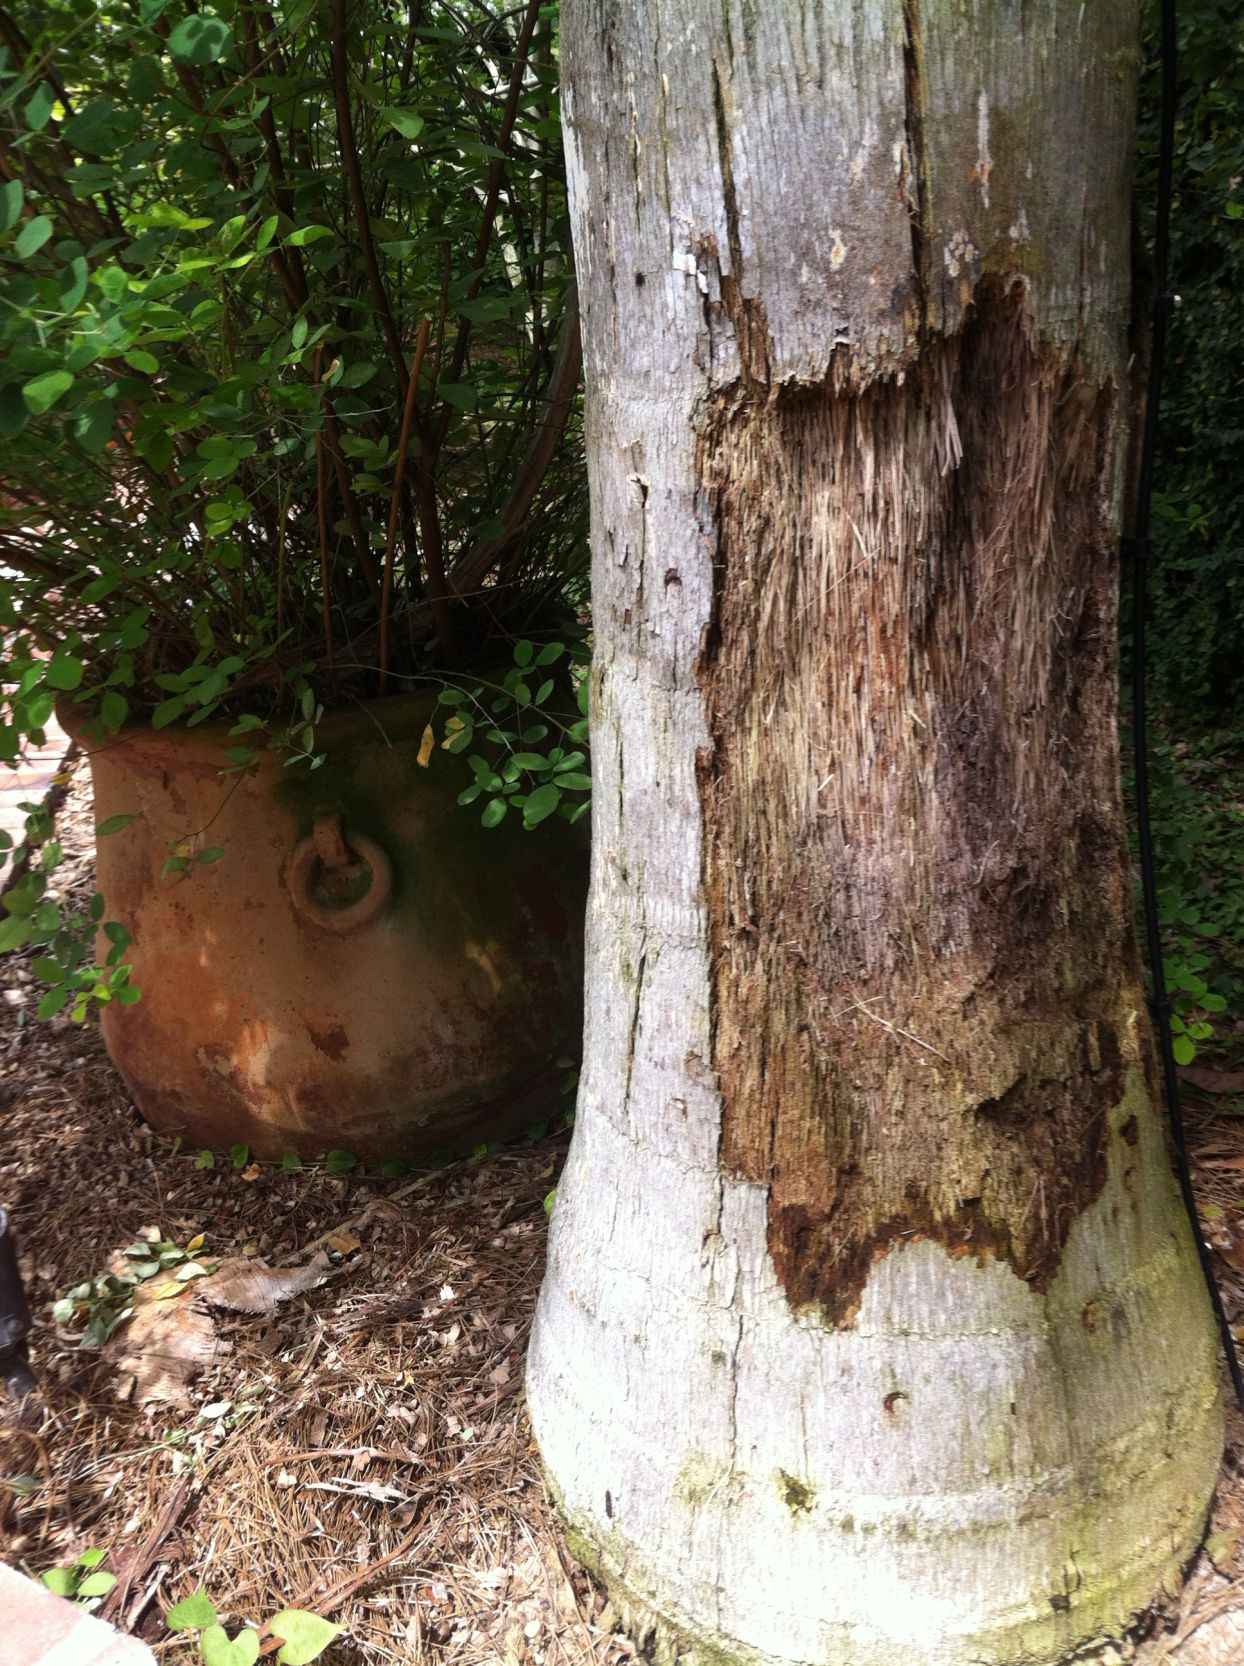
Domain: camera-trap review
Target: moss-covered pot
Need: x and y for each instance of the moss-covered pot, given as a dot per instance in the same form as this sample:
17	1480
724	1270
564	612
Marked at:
364	967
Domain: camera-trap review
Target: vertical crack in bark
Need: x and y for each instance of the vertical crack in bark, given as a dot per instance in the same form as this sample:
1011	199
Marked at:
914	867
633	1035
747	316
915	182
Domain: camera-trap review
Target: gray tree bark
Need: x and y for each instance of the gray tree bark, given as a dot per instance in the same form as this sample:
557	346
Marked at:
872	1332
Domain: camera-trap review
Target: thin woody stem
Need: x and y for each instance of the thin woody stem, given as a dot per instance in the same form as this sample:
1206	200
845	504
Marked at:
395	501
358	196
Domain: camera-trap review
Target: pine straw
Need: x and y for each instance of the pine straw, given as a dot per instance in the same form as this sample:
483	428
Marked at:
383	1471
383	1412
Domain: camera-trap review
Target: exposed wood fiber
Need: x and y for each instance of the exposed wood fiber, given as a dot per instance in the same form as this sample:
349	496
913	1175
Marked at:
915	886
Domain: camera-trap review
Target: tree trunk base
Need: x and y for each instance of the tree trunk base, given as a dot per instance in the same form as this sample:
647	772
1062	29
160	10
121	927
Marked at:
972	1473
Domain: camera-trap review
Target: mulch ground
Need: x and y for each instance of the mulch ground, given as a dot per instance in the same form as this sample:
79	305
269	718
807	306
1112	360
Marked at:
359	1445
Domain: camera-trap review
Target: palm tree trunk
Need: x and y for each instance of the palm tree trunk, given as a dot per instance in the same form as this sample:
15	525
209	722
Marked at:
873	1332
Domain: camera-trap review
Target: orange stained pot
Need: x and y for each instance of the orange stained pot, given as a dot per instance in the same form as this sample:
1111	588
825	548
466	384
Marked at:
365	967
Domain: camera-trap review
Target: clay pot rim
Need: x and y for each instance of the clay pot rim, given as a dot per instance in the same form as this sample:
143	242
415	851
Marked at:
412	708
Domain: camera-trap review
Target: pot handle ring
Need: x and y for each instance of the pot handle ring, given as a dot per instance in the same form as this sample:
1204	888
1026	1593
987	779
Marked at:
326	853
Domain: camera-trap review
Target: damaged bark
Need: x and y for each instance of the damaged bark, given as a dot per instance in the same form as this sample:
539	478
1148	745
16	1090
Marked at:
914	869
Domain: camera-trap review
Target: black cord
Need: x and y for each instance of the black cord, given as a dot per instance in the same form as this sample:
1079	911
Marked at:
1137	546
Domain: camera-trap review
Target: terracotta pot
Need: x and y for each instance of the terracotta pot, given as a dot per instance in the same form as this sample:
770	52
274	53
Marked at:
365	967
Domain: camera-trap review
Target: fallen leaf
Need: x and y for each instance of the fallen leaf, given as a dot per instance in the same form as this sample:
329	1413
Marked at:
250	1286
1209	1080
344	1242
251	1172
164	1346
425	747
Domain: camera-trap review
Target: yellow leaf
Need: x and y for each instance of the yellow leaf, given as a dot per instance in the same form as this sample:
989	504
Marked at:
425	747
196	1243
251	1172
451	728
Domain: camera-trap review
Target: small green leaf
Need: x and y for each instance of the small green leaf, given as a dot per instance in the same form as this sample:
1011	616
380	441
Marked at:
340	1162
200	39
461	395
205	1160
139	359
406	122
304	1636
97	1584
493	811
11	198
64	1581
33	235
308	234
550	1198
39	107
54	1001
113	709
43	392
112	824
213	853
291	1162
92	427
65	671
217	1650
168	711
541	804
239	1155
1183	1049
15	931
73	284
192	1613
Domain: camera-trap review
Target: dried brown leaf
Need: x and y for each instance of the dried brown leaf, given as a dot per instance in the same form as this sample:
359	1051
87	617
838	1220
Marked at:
164	1346
1209	1080
250	1286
